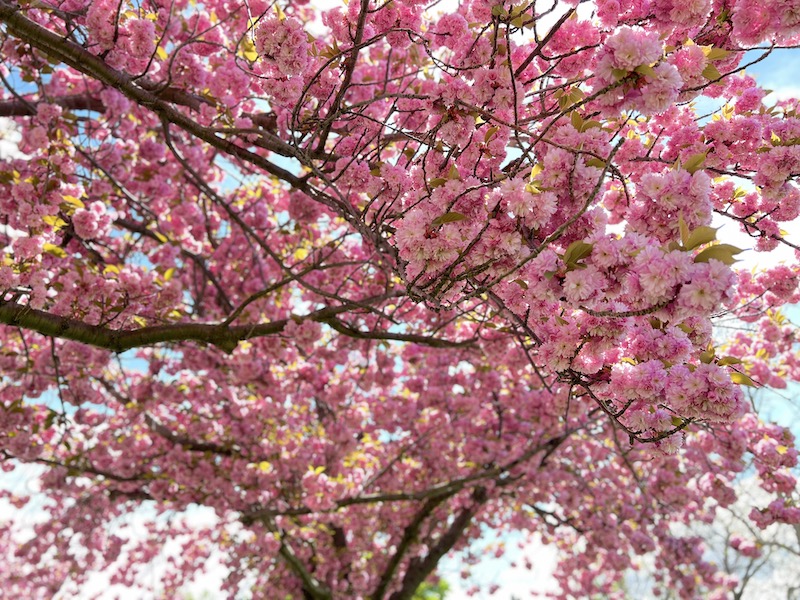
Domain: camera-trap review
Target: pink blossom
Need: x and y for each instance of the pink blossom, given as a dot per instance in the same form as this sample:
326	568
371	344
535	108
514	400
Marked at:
284	43
632	47
27	248
405	276
141	38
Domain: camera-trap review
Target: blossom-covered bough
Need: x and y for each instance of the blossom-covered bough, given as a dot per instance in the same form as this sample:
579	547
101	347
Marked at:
371	280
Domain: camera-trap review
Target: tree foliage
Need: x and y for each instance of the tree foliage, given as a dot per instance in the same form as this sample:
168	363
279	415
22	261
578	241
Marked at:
369	280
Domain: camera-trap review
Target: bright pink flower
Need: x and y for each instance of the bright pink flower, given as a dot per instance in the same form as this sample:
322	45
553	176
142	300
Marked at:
141	38
284	43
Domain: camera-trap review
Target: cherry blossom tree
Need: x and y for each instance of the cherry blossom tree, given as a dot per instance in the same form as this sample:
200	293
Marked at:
368	281
764	562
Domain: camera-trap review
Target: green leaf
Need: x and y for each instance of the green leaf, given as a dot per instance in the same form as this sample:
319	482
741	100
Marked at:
519	9
576	251
437	182
596	162
698	237
490	133
683	228
576	119
721	252
72	200
55	250
51	416
711	72
695	162
248	49
54	221
450	217
590	125
729	360
646	70
521	21
707	356
619	73
742	379
715	53
576	94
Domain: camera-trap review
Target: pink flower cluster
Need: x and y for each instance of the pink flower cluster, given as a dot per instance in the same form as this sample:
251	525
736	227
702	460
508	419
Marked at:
283	43
755	22
630	68
91	222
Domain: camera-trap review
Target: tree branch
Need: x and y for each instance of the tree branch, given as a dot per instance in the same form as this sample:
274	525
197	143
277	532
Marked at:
410	534
433	342
187	443
141	229
311	586
87	63
118	340
419	569
17	108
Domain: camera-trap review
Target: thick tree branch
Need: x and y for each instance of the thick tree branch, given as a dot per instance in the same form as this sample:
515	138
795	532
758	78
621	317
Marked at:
410	534
16	108
85	468
438	491
419	569
311	586
119	340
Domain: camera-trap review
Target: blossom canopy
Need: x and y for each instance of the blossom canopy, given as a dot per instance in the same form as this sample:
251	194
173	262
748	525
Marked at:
368	281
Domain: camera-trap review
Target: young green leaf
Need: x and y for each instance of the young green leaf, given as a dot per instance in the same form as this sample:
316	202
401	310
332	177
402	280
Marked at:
721	252
596	162
702	235
711	72
715	53
450	217
576	251
683	228
729	360
695	162
742	379
707	356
